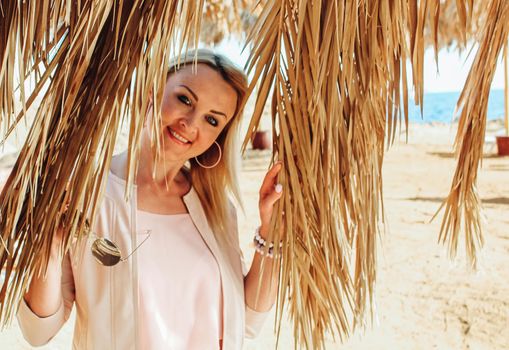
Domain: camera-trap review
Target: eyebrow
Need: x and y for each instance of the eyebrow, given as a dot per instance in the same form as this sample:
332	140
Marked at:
196	98
220	113
191	92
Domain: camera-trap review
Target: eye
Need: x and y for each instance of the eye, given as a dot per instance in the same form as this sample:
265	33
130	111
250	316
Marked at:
212	121
184	99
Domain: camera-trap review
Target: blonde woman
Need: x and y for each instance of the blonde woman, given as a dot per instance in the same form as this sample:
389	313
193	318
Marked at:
164	269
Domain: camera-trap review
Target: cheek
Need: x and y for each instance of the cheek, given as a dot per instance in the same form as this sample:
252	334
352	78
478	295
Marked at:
171	109
207	138
167	107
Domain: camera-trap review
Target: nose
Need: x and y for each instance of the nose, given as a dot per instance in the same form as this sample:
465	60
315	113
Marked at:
189	123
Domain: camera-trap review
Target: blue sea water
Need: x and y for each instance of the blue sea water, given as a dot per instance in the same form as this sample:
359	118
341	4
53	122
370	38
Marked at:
439	107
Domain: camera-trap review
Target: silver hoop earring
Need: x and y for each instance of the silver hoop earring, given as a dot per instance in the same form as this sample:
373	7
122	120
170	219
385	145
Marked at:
213	165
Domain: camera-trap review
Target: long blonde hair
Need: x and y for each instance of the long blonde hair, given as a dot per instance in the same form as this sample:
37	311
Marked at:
215	185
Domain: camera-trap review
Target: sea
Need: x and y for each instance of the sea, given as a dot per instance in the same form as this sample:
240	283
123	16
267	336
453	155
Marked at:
439	107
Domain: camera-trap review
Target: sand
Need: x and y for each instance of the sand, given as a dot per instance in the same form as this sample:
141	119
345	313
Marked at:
424	300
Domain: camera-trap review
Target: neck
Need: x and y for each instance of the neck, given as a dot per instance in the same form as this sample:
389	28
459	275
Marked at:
160	174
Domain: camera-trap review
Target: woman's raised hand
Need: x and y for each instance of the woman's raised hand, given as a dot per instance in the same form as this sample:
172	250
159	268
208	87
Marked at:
270	192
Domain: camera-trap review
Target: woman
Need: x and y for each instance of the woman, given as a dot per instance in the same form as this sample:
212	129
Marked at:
177	281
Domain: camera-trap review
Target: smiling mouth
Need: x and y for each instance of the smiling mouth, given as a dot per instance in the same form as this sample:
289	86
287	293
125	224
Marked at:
177	137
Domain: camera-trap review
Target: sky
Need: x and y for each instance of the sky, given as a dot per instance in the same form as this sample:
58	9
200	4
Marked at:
452	71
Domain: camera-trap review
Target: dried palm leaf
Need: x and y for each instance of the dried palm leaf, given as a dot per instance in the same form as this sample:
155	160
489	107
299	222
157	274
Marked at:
222	18
29	31
337	73
102	59
454	24
463	200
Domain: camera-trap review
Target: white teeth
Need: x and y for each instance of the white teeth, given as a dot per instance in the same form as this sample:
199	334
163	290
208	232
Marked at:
178	137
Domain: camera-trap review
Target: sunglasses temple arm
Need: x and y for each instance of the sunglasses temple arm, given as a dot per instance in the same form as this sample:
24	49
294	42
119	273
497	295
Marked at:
127	257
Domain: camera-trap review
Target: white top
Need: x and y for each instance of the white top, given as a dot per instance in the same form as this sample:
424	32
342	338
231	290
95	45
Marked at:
179	285
106	298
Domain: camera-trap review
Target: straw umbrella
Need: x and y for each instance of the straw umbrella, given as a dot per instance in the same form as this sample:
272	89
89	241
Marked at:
335	73
462	206
338	74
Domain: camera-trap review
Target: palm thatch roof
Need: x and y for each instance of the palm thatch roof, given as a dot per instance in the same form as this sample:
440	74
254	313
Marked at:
458	23
336	76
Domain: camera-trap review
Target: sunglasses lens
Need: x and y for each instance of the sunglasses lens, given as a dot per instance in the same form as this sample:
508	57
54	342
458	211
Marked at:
106	252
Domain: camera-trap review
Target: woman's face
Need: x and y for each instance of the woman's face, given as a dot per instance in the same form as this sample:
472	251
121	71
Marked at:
196	106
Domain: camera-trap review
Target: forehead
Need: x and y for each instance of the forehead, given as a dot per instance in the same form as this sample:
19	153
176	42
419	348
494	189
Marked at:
208	85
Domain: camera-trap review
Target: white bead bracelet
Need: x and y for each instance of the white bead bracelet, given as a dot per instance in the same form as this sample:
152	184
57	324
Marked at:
263	247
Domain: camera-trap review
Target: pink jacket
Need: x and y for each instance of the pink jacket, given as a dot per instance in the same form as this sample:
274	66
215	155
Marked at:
106	297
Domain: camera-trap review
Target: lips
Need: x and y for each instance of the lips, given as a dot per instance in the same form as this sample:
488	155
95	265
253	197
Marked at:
176	137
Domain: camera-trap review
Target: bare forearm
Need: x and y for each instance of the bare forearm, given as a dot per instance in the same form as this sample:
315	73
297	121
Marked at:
44	294
262	282
269	280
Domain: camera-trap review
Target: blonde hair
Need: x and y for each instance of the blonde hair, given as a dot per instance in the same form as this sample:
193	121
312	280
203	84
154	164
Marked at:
215	185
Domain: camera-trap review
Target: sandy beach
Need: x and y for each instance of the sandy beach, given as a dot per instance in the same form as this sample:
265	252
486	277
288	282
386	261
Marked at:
424	300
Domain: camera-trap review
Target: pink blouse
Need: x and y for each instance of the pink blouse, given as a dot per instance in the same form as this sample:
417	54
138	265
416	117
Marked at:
179	285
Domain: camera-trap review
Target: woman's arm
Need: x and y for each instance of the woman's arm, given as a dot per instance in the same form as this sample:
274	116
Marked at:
268	278
48	302
39	324
263	273
44	295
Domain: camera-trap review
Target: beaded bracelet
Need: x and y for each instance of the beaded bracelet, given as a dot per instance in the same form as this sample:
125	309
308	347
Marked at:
262	247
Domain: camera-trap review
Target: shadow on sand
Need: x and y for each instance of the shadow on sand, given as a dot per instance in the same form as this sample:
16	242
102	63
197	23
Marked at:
449	155
494	200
